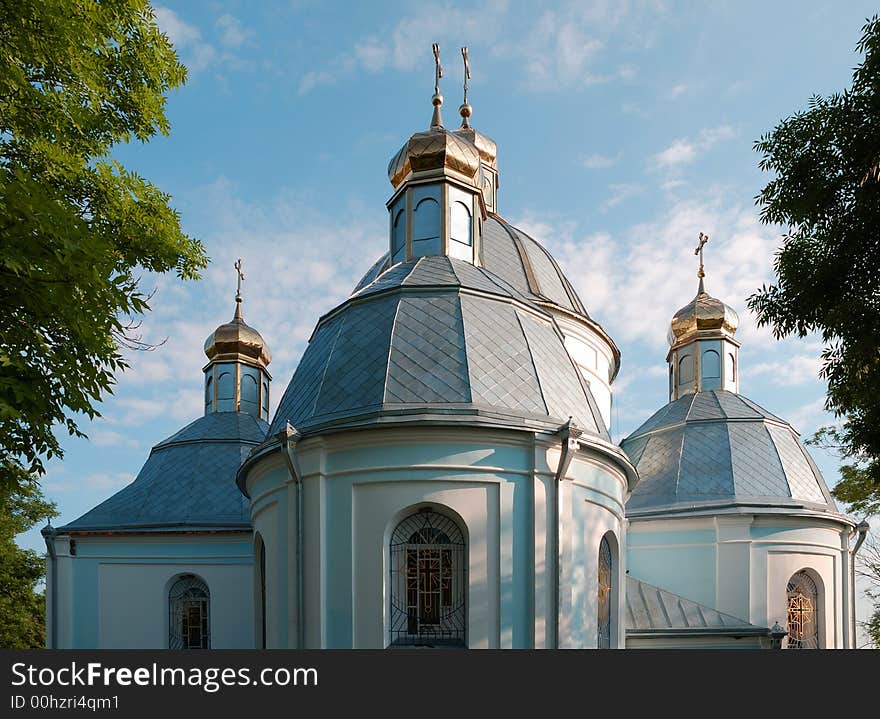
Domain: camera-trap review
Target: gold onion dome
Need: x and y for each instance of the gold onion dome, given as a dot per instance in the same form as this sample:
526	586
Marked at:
237	340
701	314
433	150
438	151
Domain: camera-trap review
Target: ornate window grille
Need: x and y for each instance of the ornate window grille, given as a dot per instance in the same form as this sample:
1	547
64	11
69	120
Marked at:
604	603
189	610
803	601
428	581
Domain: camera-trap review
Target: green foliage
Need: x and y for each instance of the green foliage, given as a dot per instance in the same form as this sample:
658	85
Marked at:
22	609
827	195
76	77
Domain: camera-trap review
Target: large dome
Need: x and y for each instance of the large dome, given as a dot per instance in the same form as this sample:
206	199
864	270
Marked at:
519	261
718	449
438	339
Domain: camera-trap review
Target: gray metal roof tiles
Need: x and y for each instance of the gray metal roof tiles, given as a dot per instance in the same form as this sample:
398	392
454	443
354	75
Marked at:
650	608
503	264
501	374
425	345
187	482
719	447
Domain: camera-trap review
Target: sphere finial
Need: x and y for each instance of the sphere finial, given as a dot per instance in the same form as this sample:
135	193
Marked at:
465	110
437	100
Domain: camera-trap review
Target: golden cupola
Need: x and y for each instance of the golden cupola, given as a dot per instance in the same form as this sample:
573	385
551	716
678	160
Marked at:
445	184
236	376
703	354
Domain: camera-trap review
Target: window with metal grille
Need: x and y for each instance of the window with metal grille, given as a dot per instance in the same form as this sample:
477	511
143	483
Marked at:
428	581
803	601
604	598
188	614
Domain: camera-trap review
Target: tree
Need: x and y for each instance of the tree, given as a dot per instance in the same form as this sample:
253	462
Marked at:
22	609
826	194
76	227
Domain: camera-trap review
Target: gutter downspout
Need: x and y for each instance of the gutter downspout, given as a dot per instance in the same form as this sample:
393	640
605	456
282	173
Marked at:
862	528
568	434
48	533
288	438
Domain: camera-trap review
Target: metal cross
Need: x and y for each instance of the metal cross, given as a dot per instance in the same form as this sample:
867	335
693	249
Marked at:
438	70
240	277
467	72
699	251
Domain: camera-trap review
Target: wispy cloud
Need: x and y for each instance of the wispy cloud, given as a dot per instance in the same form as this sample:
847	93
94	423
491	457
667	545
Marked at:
684	151
186	38
232	33
600	162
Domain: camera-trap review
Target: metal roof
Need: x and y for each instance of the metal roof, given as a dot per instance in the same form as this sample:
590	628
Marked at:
651	609
716	447
188	481
519	262
437	338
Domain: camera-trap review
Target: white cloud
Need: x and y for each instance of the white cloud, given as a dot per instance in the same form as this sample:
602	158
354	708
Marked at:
799	369
620	193
807	418
678	90
599	162
232	34
187	39
684	151
108	438
179	32
634	286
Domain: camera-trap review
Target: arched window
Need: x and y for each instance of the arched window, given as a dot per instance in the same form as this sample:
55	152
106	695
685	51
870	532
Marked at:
226	389
189	614
209	394
428	581
686	370
398	238
426	228
803	604
605	594
731	367
265	397
249	392
261	589
711	365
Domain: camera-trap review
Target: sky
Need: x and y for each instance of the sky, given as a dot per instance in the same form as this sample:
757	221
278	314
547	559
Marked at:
624	129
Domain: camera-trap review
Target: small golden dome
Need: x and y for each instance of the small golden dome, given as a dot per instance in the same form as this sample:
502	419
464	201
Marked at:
439	150
237	340
485	145
703	313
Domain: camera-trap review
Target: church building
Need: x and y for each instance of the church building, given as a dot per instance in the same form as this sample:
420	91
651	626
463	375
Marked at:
439	471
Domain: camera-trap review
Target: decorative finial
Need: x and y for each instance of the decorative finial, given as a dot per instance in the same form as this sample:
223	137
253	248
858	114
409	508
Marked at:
238	290
437	100
699	251
465	108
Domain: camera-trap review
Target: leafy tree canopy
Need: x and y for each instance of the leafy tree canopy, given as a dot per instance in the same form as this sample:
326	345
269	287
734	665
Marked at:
76	77
826	194
22	609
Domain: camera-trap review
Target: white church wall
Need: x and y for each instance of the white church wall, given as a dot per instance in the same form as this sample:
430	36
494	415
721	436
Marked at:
740	564
785	546
679	555
117	589
358	486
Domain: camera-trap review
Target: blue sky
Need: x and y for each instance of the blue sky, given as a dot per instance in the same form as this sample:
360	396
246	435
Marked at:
623	129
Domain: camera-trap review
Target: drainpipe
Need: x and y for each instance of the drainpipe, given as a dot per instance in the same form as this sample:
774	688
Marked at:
568	434
48	533
288	438
862	528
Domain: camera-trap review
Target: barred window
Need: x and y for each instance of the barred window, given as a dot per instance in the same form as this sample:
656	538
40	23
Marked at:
604	599
189	611
803	601
428	581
